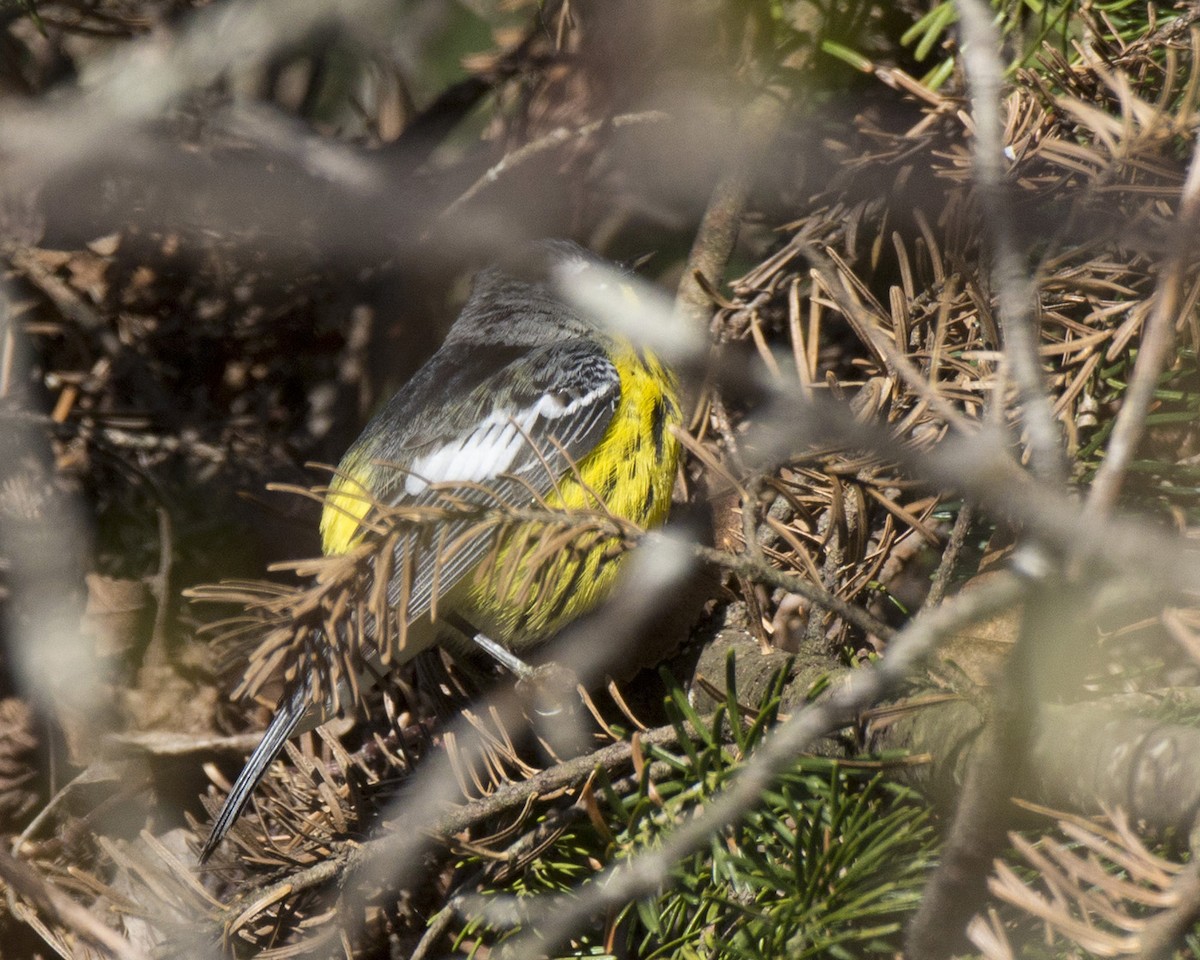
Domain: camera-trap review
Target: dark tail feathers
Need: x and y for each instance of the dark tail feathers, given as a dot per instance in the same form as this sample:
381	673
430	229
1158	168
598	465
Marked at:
287	718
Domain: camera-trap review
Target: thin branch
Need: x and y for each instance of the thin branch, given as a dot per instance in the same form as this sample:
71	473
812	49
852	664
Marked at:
1158	341
978	468
1016	293
57	906
509	798
144	77
982	815
945	570
718	230
760	571
975	465
552	140
436	928
552	920
397	858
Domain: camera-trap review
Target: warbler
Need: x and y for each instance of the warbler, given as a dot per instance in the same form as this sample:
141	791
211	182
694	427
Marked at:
529	402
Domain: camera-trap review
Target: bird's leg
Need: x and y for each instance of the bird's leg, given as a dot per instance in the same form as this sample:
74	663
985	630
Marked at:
548	688
506	658
501	654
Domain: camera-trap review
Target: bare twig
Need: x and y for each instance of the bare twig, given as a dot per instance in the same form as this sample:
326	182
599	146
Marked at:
975	465
718	230
1158	339
1016	292
509	798
57	906
552	140
436	928
945	570
982	815
144	77
759	571
978	468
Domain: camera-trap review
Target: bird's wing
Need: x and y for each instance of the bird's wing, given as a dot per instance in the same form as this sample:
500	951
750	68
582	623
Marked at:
518	423
530	422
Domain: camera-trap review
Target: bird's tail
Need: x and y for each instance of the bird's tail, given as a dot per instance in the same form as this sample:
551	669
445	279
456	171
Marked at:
287	718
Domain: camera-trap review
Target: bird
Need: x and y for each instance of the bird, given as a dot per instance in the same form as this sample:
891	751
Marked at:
528	401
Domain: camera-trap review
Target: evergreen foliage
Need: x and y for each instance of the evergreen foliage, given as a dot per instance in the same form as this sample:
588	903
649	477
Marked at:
828	865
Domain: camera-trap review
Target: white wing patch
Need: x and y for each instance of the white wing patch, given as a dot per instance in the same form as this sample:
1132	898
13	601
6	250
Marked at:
492	447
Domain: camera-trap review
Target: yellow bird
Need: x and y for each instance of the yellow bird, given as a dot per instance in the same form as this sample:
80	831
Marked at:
526	401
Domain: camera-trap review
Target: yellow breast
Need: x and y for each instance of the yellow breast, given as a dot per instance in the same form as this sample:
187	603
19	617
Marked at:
521	596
